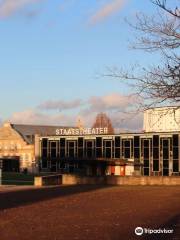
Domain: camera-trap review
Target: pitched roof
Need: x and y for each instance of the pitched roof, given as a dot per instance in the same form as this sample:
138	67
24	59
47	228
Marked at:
28	131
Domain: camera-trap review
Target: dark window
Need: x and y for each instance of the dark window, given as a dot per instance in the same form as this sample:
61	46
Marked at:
166	164
146	143
80	152
44	142
175	140
62	142
62	153
53	144
165	172
127	143
156	165
44	152
136	153
155	140
165	153
146	163
175	165
80	142
108	152
127	153
156	153
165	143
108	143
98	142
146	152
71	144
175	153
136	141
146	171
71	152
89	144
44	163
89	153
53	152
117	141
117	152
98	152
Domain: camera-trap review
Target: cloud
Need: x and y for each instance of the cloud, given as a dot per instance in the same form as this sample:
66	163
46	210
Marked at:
121	121
60	105
113	102
107	10
37	118
117	106
9	7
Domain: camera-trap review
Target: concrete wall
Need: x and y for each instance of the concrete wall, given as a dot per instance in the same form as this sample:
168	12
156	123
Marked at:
68	179
118	180
48	180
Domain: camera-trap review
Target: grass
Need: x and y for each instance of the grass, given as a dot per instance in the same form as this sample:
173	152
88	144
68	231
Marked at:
17	178
13	178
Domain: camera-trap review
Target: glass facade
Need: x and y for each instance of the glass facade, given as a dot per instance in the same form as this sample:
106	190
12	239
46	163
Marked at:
147	154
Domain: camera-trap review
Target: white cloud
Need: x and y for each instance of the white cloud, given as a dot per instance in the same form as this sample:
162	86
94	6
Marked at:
107	10
37	118
9	7
60	105
115	105
121	121
113	102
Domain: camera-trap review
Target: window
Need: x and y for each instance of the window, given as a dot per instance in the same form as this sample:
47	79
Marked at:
107	148
117	145
126	144
99	147
89	148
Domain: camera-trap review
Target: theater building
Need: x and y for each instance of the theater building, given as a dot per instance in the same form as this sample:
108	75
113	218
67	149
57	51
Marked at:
152	152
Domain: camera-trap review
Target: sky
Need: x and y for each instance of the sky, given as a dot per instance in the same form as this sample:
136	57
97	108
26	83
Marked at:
54	53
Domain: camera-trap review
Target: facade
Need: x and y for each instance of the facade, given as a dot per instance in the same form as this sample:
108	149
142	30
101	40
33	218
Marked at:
94	151
162	119
147	154
19	146
15	152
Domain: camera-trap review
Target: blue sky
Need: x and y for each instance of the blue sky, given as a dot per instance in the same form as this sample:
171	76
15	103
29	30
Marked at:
54	52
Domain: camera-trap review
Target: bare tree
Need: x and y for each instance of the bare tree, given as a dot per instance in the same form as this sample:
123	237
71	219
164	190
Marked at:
158	33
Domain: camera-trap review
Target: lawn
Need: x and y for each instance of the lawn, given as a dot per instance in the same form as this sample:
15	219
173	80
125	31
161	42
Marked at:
13	178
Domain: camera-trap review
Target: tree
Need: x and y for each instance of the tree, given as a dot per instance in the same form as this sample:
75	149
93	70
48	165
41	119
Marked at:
159	33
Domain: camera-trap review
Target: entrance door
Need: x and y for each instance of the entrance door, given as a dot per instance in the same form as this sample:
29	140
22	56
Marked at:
10	164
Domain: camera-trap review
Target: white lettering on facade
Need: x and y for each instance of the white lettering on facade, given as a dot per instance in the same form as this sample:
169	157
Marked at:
82	131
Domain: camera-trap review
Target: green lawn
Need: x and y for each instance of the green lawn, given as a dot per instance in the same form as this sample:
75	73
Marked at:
12	178
17	179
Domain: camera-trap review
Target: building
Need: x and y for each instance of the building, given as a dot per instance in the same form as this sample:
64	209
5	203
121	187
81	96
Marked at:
155	151
147	153
162	119
19	146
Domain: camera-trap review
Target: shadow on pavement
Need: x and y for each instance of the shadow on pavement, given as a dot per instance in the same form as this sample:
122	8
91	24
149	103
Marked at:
22	197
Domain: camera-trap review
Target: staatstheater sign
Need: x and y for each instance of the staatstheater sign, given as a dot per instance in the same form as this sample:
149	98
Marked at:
81	131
